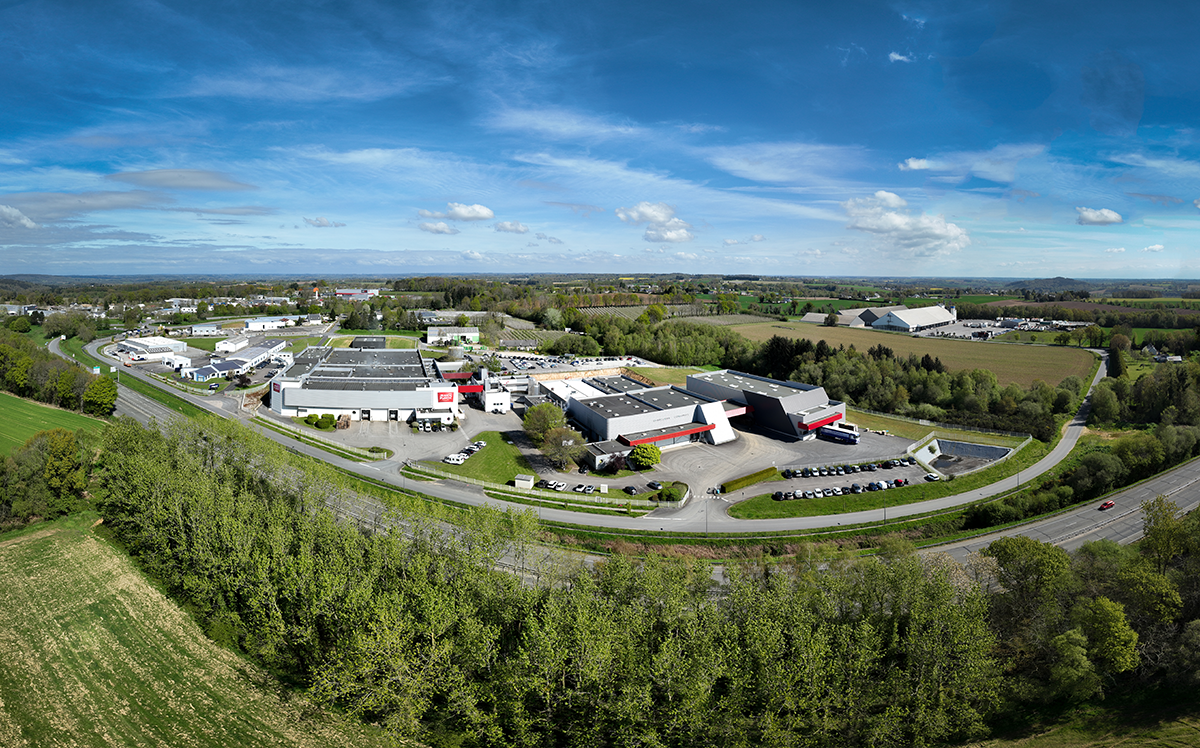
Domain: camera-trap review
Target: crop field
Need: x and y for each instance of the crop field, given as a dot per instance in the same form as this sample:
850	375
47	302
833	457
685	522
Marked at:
24	418
1010	363
726	319
633	312
96	656
538	335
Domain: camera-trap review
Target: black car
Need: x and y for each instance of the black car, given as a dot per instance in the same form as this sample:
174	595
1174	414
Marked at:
542	484
855	488
778	496
630	490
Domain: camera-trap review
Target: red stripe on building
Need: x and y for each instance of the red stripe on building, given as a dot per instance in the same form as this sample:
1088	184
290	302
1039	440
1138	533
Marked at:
458	375
463	388
822	422
684	432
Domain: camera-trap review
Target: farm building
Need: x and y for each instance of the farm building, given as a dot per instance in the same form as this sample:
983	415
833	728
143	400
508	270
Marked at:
786	407
232	345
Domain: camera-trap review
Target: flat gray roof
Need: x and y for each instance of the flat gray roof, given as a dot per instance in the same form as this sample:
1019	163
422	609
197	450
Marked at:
669	398
617	384
749	383
616	406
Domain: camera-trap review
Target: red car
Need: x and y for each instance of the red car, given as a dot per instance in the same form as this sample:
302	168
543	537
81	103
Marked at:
1107	505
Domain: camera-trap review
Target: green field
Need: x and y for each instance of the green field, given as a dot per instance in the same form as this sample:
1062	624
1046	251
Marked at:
667	374
203	344
94	655
393	341
498	462
914	431
24	418
1010	363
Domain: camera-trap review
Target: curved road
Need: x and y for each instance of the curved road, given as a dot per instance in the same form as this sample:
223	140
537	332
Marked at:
707	513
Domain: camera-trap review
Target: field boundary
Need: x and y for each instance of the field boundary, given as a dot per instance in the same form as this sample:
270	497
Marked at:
948	426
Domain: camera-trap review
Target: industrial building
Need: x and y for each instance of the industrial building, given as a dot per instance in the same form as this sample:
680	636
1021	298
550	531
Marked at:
368	384
261	324
154	348
916	320
208	330
788	408
232	345
245	360
451	335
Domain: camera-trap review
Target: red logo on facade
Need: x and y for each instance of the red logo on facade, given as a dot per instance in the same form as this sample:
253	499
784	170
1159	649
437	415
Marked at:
275	386
445	397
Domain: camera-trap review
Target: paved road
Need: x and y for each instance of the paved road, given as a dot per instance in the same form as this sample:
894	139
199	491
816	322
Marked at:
1123	523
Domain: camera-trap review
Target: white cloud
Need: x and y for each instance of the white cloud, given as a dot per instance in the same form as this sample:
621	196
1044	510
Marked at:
758	238
685	256
11	218
437	228
1115	250
784	162
1196	202
308	84
512	227
1173	167
662	226
997	165
472	256
181	179
461	212
896	57
532	244
562	124
1153	248
731	242
554	240
1101	217
323	223
920	234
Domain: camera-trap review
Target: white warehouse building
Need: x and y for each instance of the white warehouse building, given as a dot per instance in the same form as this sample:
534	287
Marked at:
916	320
364	384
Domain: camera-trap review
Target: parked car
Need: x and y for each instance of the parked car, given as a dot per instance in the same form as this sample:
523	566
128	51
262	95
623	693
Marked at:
589	489
212	386
578	488
655	485
931	477
778	496
630	490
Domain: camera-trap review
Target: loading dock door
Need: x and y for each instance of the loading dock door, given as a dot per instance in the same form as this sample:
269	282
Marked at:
366	415
393	415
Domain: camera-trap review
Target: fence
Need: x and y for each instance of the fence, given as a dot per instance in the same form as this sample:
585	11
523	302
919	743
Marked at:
303	434
574	498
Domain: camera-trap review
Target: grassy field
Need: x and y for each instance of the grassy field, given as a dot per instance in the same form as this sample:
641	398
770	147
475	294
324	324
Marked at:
1019	364
24	418
914	431
96	656
203	344
665	374
498	462
393	341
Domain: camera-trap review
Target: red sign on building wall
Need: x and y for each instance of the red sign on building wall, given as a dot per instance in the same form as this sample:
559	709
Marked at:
445	397
275	386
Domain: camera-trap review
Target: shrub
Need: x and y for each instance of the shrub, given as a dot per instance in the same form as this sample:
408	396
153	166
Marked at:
748	480
311	419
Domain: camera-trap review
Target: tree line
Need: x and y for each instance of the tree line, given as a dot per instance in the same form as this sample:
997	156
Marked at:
417	630
29	370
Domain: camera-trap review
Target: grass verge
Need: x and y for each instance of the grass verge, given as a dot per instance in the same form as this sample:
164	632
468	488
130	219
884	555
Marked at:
498	462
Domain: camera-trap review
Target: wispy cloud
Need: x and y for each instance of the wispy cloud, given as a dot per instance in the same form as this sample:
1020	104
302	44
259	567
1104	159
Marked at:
441	227
785	162
1163	200
323	223
307	84
997	165
1115	250
558	123
897	57
580	208
54	206
181	179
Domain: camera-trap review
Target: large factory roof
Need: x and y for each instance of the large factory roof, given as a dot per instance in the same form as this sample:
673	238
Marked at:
751	383
617	406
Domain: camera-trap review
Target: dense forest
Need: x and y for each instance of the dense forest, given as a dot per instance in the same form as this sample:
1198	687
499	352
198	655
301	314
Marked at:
416	629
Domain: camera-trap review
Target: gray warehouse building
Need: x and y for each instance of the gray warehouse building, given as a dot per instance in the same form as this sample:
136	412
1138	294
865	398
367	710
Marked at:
786	407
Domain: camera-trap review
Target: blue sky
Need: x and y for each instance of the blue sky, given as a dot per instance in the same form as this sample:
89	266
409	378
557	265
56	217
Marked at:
795	138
